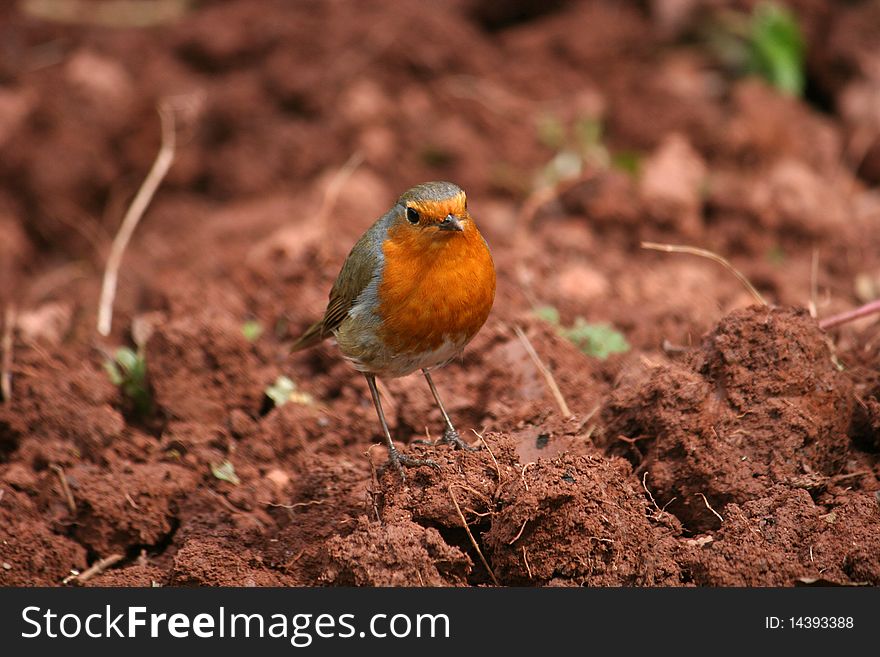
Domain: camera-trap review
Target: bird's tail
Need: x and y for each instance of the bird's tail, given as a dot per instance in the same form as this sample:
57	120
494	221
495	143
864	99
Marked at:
313	335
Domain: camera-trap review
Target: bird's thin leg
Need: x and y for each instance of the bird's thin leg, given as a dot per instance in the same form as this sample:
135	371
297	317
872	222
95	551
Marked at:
450	435
394	457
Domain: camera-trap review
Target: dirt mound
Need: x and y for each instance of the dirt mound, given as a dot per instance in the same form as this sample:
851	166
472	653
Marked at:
762	402
601	514
66	404
207	562
105	498
376	554
202	370
34	553
797	541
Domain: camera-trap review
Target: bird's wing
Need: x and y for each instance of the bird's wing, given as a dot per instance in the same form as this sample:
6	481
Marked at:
356	274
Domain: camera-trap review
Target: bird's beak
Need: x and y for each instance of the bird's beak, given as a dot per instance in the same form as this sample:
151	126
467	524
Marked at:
451	222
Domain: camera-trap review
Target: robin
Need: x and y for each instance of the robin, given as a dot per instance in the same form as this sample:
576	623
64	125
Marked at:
413	291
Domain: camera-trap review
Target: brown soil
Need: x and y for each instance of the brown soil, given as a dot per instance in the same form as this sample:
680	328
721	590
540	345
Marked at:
733	444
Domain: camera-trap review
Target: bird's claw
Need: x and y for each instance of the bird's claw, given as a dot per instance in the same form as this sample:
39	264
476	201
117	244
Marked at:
451	437
401	461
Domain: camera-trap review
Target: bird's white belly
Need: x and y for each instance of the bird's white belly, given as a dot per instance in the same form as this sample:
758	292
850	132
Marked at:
382	363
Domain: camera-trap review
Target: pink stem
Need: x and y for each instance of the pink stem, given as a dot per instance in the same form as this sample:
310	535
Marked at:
850	315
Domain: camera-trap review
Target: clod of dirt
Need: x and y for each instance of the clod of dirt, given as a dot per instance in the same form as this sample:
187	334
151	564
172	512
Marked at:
15	105
103	87
671	185
784	537
777	362
401	554
768	126
64	397
762	403
322	499
133	575
611	201
426	495
211	562
30	553
464	489
578	520
793	197
201	369
851	539
127	505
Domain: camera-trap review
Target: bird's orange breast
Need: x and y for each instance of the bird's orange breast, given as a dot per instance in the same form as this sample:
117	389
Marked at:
435	288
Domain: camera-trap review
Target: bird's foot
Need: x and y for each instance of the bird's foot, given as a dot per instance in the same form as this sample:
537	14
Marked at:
400	461
451	437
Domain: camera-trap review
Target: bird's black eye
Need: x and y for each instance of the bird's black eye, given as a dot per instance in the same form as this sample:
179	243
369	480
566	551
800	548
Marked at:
412	215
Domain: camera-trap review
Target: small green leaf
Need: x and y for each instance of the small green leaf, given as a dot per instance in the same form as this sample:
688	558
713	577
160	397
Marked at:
225	472
129	373
598	340
252	330
776	48
627	161
113	372
548	314
127	359
768	42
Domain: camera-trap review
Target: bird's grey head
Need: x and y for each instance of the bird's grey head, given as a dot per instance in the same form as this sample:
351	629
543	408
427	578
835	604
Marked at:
437	190
438	204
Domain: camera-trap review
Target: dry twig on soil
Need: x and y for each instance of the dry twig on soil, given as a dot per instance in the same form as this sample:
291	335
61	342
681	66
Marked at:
703	253
548	375
814	284
373	491
519	533
133	216
6	346
708	506
658	511
471	537
96	568
526	562
65	488
488	449
850	315
522	474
